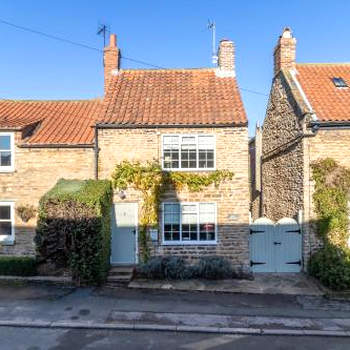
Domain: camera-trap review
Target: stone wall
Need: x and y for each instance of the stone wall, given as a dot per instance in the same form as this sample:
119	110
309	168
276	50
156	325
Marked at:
282	155
36	171
327	143
232	197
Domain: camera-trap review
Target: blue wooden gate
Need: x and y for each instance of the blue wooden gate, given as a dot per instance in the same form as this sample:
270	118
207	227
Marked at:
275	247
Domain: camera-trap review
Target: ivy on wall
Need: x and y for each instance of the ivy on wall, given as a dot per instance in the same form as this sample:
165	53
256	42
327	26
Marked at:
331	198
151	181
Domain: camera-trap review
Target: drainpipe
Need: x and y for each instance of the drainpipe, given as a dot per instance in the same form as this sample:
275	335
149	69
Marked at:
96	149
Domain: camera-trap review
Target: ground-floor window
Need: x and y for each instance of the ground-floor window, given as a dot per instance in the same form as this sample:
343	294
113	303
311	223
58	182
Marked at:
189	223
7	230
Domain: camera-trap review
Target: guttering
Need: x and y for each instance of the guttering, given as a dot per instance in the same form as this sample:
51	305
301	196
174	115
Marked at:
331	124
56	145
167	126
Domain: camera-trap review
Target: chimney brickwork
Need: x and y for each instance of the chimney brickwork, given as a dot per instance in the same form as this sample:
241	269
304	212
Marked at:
226	57
110	59
284	53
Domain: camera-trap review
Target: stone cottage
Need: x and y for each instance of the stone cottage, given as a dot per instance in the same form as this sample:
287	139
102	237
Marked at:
189	120
307	119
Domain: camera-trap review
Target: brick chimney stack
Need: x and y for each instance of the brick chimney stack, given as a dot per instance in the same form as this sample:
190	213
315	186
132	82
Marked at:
226	57
110	59
284	53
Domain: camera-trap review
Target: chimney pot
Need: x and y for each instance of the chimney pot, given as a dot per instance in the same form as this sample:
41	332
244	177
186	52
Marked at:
112	40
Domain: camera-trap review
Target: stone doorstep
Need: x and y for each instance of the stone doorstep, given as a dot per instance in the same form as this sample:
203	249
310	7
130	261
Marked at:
156	327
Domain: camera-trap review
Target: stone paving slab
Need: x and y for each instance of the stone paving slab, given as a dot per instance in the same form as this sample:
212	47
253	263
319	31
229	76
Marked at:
287	283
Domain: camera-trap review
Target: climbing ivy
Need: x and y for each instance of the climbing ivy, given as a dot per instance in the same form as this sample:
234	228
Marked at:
331	197
151	181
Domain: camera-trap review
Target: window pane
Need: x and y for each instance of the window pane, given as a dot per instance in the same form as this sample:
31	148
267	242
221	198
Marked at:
207	221
171	222
5	212
5	228
171	140
5	142
206	158
5	158
206	142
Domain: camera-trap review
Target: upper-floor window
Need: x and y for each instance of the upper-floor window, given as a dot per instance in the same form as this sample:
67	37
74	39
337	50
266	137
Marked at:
6	222
6	152
189	152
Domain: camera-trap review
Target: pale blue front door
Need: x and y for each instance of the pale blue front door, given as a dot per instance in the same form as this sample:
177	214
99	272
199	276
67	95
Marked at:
275	247
124	233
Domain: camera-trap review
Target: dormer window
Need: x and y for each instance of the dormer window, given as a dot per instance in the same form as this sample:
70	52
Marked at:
339	82
6	152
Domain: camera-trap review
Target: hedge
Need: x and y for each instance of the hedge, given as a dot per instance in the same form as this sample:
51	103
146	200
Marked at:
73	229
17	266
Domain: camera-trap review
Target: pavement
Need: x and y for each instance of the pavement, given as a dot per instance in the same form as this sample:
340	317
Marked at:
25	305
78	339
263	283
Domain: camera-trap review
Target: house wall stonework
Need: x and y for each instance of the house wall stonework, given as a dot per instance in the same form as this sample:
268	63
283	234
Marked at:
327	143
282	155
36	171
232	197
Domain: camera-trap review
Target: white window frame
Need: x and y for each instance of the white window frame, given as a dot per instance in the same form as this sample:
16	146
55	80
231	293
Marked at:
4	239
197	242
9	168
197	149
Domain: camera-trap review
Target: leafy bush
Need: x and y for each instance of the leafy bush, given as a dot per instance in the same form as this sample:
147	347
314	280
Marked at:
17	266
214	268
167	267
331	265
74	229
175	268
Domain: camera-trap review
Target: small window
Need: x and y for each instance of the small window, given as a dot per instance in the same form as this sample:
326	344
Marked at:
6	222
189	223
189	152
6	152
340	82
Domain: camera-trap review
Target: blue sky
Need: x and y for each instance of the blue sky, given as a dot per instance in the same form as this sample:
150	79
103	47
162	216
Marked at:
165	33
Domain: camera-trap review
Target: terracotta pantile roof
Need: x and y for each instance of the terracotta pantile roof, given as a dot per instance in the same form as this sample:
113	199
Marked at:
60	122
327	101
172	97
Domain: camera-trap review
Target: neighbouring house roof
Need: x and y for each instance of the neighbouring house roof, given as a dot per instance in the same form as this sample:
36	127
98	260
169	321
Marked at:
59	122
172	97
330	103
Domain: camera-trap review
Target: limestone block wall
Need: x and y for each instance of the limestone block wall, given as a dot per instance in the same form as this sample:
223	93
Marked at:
232	197
36	171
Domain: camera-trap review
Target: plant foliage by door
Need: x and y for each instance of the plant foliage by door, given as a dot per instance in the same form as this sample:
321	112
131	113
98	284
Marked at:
331	264
151	181
73	229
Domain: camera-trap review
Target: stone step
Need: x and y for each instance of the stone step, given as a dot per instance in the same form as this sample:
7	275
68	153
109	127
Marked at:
119	278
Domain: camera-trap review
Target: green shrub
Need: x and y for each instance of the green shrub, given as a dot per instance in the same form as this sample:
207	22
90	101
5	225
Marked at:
17	266
175	268
214	268
74	229
331	265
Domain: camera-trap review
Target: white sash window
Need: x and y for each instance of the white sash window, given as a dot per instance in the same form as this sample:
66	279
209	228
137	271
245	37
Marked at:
188	152
189	223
